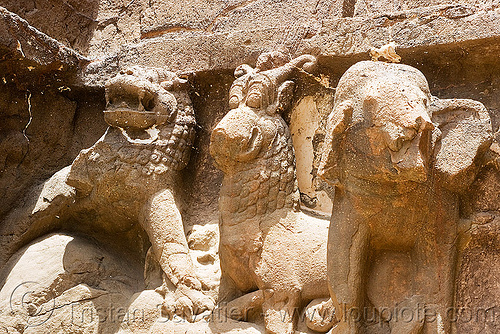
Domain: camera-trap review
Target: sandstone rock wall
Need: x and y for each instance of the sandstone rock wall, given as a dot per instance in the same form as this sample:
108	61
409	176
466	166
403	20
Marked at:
56	55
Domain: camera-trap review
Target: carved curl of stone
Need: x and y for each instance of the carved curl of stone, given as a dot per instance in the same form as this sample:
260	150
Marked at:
399	159
129	177
268	247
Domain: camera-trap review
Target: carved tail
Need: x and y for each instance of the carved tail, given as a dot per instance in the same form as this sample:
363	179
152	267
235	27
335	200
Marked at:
306	63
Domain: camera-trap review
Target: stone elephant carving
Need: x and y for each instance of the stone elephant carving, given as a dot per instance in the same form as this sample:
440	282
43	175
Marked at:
268	247
398	158
128	178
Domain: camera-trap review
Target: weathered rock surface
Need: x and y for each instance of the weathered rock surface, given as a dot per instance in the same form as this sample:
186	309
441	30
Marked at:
55	57
72	287
399	159
70	22
192	50
477	310
269	249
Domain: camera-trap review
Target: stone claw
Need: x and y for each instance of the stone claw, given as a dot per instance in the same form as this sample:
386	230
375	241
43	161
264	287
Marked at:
187	302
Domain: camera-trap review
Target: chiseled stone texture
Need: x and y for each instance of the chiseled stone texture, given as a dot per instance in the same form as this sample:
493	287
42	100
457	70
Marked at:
198	50
374	8
200	35
130	32
71	22
271	250
477	309
127	184
399	159
60	53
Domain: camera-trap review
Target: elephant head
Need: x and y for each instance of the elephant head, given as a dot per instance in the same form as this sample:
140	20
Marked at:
257	97
386	127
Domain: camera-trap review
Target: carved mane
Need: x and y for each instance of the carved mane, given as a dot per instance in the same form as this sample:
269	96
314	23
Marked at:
169	149
263	185
146	150
252	145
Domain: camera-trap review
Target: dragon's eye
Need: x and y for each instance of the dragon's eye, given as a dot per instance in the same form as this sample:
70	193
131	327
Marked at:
254	100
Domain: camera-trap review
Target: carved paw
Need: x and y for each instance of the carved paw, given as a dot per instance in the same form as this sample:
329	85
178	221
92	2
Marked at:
320	315
187	302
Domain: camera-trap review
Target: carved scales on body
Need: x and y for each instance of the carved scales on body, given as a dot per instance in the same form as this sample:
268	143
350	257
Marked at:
170	151
151	131
250	196
127	181
170	145
167	150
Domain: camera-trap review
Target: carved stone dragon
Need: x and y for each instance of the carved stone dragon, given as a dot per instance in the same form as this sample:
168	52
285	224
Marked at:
127	178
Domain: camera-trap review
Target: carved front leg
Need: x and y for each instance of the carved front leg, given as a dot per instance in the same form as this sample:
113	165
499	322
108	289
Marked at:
162	221
435	256
348	242
240	307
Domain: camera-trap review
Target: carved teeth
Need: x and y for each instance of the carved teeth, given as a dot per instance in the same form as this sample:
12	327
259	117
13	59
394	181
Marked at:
140	107
121	92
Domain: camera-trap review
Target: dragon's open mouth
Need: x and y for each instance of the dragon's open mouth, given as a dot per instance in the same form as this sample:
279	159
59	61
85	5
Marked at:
128	110
134	98
126	118
130	103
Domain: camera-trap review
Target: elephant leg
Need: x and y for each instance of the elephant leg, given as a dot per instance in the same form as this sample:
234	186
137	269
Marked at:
435	278
280	310
348	242
162	222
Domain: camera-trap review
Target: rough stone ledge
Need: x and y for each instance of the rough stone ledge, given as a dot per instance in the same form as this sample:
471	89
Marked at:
20	41
192	51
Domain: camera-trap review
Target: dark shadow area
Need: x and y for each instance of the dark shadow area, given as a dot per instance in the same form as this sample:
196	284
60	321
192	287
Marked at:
95	283
44	123
201	179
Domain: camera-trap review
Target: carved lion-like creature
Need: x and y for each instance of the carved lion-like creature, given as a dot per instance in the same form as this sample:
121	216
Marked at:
399	159
268	247
130	176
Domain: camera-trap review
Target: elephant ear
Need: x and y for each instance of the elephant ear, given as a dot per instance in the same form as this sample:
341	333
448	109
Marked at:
338	121
465	136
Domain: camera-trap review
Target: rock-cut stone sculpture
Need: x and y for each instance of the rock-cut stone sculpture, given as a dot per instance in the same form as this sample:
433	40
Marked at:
399	158
129	177
268	247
